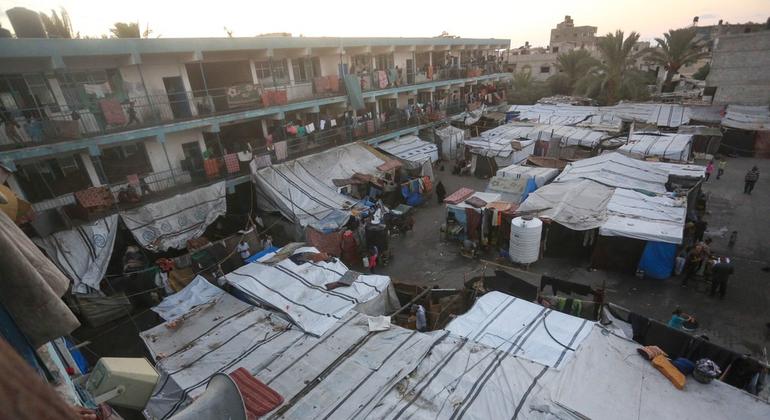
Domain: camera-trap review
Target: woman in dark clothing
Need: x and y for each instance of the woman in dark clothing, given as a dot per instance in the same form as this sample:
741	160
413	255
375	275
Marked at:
440	192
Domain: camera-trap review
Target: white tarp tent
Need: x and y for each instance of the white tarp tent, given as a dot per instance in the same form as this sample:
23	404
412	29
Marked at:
617	170
411	149
752	118
577	204
451	142
198	292
170	223
635	215
608	380
82	253
541	175
497	143
564	115
568	135
676	147
342	374
497	318
302	189
300	291
514	182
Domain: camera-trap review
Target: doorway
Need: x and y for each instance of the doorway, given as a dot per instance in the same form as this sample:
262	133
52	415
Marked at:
177	97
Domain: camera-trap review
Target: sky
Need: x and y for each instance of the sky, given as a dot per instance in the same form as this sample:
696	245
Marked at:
505	19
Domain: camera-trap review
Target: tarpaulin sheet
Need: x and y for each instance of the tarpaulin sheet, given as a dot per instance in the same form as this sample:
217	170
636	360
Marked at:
198	292
639	216
303	191
617	170
339	375
752	118
82	253
657	260
674	147
459	378
411	149
171	222
568	135
353	87
496	318
540	175
451	142
578	205
300	292
609	380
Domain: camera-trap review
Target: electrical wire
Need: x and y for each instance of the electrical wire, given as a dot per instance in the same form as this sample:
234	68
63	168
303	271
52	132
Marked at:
545	325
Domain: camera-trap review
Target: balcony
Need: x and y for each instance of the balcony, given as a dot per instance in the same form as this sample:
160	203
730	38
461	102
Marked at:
85	118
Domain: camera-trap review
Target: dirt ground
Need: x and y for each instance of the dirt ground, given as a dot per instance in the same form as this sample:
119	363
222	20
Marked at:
737	322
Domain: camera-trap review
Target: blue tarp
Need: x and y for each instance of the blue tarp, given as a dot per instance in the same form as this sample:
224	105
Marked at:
530	188
657	260
261	254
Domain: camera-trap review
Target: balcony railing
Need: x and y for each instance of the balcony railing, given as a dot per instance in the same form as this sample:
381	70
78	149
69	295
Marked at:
139	189
45	124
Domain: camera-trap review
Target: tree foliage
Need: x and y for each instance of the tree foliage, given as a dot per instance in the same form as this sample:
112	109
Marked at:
573	66
676	49
615	77
526	90
125	30
57	26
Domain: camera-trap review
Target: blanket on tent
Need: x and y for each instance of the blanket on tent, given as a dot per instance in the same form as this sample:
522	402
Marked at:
299	291
198	292
82	253
170	223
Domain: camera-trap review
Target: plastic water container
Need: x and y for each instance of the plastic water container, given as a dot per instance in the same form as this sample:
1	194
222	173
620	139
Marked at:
525	240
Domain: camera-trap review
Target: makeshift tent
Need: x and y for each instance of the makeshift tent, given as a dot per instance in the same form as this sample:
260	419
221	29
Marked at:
198	292
451	141
675	147
507	144
82	253
171	222
515	182
639	216
343	373
578	205
617	170
303	190
750	118
568	135
300	292
562	114
495	317
411	150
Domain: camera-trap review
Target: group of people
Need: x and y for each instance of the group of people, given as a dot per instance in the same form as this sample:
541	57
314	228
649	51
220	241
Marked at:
699	259
751	178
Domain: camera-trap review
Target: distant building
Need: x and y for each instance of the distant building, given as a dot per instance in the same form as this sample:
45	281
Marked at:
739	69
567	37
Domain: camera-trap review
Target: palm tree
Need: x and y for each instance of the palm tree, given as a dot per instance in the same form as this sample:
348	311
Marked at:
126	30
574	65
55	26
522	80
676	49
611	80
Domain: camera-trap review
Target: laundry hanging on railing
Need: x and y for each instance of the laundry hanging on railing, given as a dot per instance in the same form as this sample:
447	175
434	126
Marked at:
113	112
170	223
353	85
82	253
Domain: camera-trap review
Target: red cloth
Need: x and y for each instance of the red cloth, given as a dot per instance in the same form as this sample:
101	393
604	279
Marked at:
231	163
94	197
258	398
211	166
473	224
330	243
459	196
113	112
334	83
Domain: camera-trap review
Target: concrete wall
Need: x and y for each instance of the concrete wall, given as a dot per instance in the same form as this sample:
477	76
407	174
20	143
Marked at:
174	143
535	62
739	69
330	64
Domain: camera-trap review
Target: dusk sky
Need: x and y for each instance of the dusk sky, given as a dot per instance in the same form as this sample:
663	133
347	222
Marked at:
507	19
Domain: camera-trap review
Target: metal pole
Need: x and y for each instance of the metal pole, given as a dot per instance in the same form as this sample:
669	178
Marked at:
168	161
206	87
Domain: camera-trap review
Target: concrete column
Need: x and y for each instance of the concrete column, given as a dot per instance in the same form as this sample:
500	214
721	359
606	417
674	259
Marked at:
265	131
13	184
88	164
253	68
290	71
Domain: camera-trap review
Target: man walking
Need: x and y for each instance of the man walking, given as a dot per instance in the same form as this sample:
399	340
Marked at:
721	167
751	178
719	275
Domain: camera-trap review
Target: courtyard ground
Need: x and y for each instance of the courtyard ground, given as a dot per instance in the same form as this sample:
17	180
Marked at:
737	322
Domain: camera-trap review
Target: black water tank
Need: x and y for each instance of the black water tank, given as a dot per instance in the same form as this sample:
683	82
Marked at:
26	23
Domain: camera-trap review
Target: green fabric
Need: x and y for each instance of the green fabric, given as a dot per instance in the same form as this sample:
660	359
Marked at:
353	86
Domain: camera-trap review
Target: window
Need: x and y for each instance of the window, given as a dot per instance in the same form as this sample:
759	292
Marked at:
384	61
262	69
545	69
280	71
303	69
555	49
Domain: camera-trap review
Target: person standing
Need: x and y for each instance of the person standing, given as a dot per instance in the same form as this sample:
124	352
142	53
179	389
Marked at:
719	275
721	167
751	178
694	260
243	250
709	169
440	192
421	319
700	229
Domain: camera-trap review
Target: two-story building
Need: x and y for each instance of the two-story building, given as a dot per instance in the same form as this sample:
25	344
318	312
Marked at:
80	113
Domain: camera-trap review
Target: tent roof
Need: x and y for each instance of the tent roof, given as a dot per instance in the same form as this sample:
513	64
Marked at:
752	118
411	149
303	190
674	147
300	292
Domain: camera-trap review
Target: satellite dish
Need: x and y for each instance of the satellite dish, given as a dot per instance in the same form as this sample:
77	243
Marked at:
221	401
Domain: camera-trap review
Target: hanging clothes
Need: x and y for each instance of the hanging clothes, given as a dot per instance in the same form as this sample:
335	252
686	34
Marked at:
281	150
